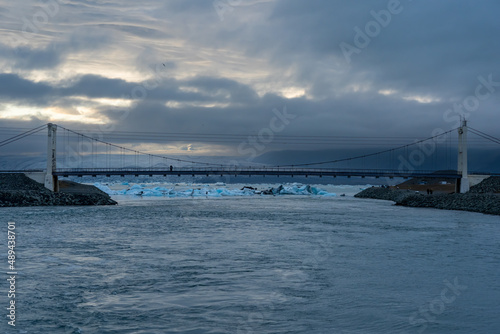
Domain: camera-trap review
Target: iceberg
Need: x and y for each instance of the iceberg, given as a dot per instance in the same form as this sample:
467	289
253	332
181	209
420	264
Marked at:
216	190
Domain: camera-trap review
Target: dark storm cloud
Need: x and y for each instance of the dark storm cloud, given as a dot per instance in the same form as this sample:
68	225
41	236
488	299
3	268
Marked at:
94	86
211	90
239	93
429	47
311	118
366	115
247	113
14	88
29	59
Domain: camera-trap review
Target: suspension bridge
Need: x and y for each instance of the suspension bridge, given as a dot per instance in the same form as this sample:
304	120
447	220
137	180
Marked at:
86	155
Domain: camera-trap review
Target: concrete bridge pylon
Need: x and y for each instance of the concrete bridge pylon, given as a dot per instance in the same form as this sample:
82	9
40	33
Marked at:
463	184
51	180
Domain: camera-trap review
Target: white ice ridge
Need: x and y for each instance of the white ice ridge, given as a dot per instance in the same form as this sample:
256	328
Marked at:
214	191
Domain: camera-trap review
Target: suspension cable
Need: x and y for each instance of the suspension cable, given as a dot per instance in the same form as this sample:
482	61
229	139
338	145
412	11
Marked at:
138	152
22	135
368	155
484	135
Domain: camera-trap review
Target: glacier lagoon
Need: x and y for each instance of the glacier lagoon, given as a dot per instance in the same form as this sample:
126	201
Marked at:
247	263
221	189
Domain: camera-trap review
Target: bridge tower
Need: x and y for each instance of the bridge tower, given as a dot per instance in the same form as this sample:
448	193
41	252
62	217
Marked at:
51	181
463	182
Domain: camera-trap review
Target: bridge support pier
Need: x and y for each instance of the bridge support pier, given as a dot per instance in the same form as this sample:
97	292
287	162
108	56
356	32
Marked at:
51	181
462	185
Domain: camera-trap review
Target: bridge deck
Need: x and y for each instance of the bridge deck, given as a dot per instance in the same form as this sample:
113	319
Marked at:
255	171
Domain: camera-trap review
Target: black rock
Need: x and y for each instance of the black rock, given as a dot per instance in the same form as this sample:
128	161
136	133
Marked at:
20	190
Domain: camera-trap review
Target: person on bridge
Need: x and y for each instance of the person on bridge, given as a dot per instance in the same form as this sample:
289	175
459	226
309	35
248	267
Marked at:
171	168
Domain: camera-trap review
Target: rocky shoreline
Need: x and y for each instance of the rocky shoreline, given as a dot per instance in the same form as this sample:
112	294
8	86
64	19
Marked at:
482	198
19	190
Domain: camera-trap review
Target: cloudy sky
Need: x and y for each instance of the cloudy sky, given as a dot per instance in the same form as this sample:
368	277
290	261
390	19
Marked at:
281	69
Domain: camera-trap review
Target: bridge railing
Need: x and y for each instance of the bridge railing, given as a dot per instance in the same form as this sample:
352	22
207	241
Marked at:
276	170
15	171
239	168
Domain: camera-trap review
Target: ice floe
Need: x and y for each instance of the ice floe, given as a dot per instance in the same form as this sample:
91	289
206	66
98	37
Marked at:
215	190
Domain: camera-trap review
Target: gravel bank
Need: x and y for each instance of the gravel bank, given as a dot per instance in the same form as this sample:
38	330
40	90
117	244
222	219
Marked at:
483	198
388	194
490	185
20	190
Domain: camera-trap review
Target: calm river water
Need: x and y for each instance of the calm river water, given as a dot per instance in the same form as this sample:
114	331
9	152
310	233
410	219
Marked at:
284	264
